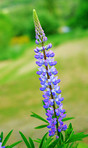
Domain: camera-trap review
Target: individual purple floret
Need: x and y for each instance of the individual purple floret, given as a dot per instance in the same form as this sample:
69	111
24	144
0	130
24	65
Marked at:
49	82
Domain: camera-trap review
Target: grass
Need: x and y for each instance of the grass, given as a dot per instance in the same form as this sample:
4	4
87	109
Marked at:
19	88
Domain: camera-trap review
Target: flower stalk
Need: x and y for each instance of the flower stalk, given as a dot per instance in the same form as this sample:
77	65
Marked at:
48	77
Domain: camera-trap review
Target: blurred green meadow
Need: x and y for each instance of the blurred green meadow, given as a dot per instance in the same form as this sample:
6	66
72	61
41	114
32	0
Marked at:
67	30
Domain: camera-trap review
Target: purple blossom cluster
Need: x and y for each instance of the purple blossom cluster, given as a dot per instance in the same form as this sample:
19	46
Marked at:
49	83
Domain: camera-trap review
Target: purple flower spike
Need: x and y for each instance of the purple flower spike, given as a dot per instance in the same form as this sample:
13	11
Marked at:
49	82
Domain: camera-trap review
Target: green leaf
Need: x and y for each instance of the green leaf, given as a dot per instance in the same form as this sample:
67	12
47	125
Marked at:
42	141
25	140
31	142
7	147
61	137
53	144
67	145
41	126
71	145
49	140
68	132
62	146
6	138
38	117
14	144
38	140
1	136
77	137
66	119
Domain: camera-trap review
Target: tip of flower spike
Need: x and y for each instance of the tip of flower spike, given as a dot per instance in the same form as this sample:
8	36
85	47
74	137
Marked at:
35	16
33	10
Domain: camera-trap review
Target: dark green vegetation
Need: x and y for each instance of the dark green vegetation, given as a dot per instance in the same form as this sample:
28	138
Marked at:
66	140
80	16
16	21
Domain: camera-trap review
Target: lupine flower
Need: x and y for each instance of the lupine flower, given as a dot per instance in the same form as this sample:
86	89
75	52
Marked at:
1	144
49	82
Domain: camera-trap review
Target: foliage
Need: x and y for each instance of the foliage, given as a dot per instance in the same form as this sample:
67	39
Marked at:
30	143
70	137
44	120
64	141
80	17
38	117
52	14
82	14
5	35
6	140
21	21
48	22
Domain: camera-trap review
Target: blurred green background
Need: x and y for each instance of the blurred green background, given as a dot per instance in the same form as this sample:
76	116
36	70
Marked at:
65	22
